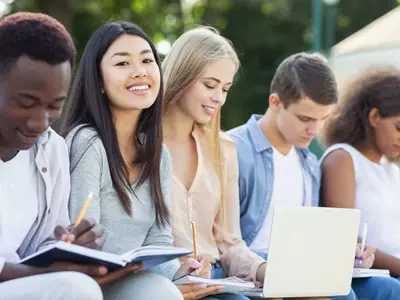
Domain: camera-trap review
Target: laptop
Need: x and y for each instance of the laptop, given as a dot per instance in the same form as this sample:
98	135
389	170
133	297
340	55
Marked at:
311	253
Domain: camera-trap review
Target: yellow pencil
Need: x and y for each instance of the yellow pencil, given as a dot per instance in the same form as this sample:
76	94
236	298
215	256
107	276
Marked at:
83	211
193	225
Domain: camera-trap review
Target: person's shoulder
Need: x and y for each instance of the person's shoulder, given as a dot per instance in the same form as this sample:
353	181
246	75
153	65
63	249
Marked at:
228	145
310	156
166	160
52	151
82	133
84	136
245	149
53	144
338	158
239	133
84	140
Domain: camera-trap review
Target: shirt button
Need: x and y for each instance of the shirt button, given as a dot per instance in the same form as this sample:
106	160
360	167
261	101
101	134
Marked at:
44	170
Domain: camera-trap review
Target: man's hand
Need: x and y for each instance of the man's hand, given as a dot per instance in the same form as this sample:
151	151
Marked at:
116	275
88	234
91	270
198	291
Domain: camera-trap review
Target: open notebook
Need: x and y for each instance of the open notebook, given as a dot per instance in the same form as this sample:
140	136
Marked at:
231	284
150	256
362	273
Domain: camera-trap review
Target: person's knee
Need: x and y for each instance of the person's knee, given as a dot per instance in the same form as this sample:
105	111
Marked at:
378	288
78	286
389	288
351	296
165	289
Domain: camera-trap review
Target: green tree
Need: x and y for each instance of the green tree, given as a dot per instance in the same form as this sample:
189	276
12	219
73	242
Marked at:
264	32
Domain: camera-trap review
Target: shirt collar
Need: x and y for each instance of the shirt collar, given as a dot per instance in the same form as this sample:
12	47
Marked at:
45	136
259	139
261	143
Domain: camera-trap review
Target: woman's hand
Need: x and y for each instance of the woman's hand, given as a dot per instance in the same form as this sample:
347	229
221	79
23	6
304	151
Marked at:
198	291
365	259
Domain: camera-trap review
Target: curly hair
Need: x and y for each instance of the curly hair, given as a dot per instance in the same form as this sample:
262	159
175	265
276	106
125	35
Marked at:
35	35
378	88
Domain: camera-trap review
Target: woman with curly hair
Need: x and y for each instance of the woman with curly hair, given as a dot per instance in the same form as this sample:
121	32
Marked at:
363	138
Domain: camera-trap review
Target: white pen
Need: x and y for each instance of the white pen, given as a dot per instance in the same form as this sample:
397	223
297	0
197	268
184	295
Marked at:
364	240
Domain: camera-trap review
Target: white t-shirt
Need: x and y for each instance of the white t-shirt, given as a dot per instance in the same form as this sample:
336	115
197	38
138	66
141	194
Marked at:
18	202
378	198
288	189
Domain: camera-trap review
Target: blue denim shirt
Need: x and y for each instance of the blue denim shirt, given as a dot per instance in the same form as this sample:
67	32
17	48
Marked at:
256	176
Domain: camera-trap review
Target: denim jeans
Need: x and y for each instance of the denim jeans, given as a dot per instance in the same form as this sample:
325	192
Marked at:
377	288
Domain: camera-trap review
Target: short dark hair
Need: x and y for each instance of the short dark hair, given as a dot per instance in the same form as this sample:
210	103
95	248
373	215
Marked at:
36	35
88	106
378	88
305	75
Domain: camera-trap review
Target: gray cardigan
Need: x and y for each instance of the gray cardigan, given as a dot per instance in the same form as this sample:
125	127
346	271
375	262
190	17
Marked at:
90	173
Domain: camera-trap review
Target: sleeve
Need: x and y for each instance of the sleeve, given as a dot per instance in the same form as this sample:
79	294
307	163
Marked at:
245	170
2	263
61	190
86	153
162	235
236	258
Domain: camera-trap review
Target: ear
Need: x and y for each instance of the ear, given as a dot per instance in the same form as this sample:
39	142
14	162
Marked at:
374	117
275	102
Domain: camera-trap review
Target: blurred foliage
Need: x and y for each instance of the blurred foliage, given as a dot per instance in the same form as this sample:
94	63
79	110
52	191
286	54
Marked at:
263	31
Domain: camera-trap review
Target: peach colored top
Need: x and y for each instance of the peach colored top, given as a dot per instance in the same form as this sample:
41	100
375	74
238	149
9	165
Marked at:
201	204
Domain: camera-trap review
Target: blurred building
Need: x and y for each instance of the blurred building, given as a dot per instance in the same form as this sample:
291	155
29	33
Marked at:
377	44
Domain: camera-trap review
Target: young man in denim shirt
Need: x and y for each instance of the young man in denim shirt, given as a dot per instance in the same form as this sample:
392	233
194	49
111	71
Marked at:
275	165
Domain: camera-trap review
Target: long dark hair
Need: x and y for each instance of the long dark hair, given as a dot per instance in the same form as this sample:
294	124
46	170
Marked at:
379	88
89	107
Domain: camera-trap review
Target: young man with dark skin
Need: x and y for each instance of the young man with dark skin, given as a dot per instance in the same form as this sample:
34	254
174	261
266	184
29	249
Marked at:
36	58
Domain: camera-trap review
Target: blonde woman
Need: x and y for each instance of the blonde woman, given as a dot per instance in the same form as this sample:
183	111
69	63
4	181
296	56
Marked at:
198	72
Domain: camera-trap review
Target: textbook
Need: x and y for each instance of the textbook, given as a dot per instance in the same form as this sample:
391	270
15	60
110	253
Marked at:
150	256
363	273
231	284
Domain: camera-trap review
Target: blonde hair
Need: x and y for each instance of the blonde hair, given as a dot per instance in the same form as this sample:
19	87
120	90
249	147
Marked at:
188	58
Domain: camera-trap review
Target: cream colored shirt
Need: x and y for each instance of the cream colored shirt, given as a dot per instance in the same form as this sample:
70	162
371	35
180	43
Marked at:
201	204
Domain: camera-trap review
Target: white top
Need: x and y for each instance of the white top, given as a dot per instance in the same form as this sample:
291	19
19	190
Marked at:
18	202
288	189
51	196
378	198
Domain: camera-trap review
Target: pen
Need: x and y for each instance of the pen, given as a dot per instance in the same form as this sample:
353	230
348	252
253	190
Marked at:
83	211
363	240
